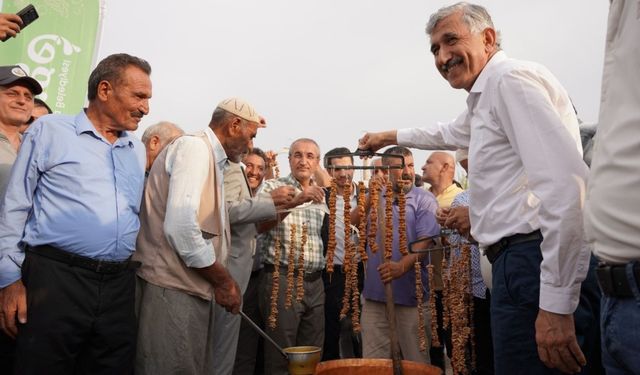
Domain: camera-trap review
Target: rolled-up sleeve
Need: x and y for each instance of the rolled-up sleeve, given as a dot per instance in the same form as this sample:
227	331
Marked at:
187	164
439	136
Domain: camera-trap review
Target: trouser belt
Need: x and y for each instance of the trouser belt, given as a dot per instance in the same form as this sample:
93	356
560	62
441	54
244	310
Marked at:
95	265
493	251
614	282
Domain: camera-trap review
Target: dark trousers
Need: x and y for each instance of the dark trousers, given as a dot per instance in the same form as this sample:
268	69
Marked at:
514	309
249	354
482	335
335	330
436	353
78	321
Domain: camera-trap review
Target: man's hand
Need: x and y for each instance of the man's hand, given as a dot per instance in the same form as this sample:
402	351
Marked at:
458	219
228	295
375	141
10	25
13	306
557	344
283	197
390	271
442	213
313	194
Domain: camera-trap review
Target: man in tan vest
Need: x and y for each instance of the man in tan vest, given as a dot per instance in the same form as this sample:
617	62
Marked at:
183	244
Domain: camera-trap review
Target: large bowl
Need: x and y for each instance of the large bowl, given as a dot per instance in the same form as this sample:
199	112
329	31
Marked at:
303	359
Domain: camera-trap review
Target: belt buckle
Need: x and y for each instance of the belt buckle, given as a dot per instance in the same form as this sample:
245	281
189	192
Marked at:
605	279
99	267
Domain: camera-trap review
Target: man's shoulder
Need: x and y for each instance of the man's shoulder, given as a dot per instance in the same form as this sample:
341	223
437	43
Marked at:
424	199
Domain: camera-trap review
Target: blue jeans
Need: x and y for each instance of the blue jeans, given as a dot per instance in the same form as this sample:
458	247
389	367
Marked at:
514	309
620	325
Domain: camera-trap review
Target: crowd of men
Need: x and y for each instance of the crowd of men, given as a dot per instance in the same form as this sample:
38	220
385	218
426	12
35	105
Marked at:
122	256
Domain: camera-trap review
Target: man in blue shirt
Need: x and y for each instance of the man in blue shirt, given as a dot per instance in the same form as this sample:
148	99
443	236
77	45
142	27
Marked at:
69	221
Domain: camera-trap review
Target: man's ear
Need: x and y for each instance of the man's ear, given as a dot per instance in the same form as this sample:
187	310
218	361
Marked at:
235	127
489	38
104	90
154	143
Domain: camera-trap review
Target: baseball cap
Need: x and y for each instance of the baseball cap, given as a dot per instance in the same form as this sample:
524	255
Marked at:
13	73
242	109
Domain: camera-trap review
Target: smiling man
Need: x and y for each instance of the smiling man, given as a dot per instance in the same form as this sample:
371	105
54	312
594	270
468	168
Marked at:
69	222
303	322
526	178
17	91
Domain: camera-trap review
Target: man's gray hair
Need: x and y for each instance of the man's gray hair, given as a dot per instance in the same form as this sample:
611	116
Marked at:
474	16
164	130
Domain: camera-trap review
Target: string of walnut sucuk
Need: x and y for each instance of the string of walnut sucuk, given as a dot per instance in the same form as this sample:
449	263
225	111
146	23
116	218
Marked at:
435	340
300	284
331	245
419	294
388	222
348	259
362	225
374	192
460	309
273	314
402	222
291	266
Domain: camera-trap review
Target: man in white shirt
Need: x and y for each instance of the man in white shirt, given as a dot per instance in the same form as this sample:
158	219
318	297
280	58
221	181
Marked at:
612	223
526	178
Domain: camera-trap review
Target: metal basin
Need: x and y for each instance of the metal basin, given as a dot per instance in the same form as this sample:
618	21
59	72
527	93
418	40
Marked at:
303	359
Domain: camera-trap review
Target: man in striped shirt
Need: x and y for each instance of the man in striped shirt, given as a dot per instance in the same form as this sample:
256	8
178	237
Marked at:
303	322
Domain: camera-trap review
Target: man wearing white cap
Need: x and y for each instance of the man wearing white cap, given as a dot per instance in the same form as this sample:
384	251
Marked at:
183	244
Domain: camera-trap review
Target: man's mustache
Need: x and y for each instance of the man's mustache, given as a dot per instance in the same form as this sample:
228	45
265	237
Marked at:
452	61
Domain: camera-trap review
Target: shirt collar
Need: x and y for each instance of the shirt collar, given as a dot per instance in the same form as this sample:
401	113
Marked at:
488	71
84	125
219	155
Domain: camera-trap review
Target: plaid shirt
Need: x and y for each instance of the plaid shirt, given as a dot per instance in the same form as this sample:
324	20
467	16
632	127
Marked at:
313	256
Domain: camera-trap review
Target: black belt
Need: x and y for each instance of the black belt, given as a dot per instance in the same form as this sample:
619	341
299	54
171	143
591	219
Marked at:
95	265
614	282
308	276
493	251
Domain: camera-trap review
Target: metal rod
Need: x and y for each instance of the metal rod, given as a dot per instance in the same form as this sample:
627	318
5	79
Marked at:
263	334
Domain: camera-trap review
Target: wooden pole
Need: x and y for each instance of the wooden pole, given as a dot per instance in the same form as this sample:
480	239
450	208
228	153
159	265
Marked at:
388	294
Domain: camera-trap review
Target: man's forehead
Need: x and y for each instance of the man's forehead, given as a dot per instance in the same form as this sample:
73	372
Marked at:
16	85
253	159
305	147
345	160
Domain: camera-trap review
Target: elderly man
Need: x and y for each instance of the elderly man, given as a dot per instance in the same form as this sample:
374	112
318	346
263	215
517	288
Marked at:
526	180
245	210
303	322
183	244
157	137
420	223
69	222
611	213
438	171
16	102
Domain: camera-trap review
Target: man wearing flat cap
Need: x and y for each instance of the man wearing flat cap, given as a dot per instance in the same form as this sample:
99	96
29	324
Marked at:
183	244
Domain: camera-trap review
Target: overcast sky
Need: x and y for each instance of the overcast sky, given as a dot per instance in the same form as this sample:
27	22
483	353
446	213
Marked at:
329	70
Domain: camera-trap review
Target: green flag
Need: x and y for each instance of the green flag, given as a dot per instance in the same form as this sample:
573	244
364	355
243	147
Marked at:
58	49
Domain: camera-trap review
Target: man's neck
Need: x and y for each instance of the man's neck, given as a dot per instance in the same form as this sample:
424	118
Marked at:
12	134
438	189
100	123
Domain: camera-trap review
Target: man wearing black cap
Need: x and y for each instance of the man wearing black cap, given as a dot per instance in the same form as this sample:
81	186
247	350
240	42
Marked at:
16	103
17	90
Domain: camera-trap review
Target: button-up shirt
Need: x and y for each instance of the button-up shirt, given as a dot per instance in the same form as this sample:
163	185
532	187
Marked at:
72	189
612	220
420	223
187	163
312	216
7	158
525	168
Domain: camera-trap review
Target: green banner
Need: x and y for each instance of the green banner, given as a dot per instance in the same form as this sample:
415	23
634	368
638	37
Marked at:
58	49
